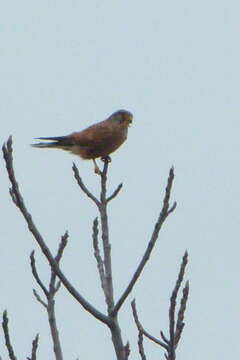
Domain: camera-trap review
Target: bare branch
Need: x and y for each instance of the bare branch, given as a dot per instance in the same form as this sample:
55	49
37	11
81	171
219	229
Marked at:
19	202
35	275
180	321
61	247
82	186
115	193
7	337
174	333
127	350
172	208
142	330
162	217
34	348
109	295
173	305
52	288
97	255
54	330
39	299
50	306
104	182
164	337
122	352
140	346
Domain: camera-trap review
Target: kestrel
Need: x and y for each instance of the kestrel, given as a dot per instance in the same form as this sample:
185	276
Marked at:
98	140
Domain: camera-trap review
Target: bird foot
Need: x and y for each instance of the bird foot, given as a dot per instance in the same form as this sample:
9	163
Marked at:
97	170
106	159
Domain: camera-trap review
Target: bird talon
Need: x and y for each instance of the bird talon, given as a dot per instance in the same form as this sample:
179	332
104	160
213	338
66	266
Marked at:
97	170
106	159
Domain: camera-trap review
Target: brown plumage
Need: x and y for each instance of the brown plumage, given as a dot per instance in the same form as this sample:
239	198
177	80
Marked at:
98	140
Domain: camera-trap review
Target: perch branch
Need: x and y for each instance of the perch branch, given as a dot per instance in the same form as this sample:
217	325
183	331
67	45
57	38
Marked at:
105	240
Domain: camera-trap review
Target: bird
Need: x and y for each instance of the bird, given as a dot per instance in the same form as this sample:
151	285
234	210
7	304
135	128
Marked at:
96	141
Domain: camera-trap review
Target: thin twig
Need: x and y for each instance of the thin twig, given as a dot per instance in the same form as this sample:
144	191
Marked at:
35	274
100	264
34	348
142	330
39	299
180	322
115	193
140	346
173	299
7	337
162	217
174	332
61	247
52	288
164	338
50	294
82	185
19	202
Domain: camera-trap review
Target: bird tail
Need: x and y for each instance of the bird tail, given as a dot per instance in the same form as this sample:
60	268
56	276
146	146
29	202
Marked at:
56	142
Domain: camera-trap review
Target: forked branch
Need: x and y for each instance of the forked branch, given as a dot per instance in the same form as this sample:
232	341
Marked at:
50	293
19	202
166	210
175	329
34	348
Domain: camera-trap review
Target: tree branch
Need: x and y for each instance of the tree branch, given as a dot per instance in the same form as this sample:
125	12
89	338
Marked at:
142	330
39	299
50	294
35	275
7	337
174	332
63	243
105	240
100	264
82	186
34	348
115	193
19	202
162	217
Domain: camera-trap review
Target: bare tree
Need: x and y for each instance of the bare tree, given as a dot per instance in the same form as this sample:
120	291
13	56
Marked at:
102	252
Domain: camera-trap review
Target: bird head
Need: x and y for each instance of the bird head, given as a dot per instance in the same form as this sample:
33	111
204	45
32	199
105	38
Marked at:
122	116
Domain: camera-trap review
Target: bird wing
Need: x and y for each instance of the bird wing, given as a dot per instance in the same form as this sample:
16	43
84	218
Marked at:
97	134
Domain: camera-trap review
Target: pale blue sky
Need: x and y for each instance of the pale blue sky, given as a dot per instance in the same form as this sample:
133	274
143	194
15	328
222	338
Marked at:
67	64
